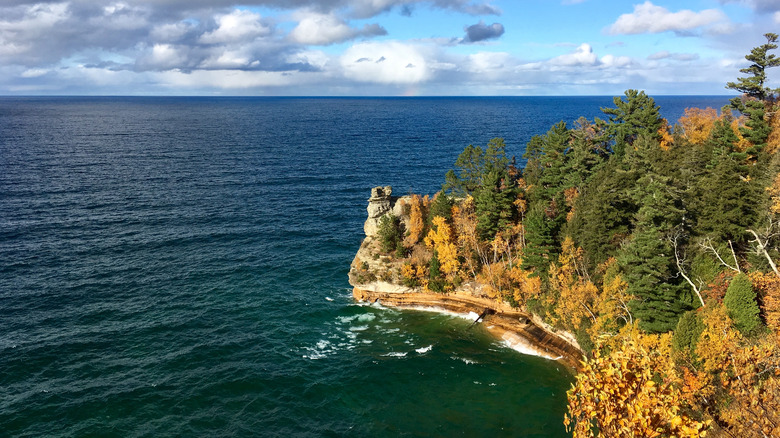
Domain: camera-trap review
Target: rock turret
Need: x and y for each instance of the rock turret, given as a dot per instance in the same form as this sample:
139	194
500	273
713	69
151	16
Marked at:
379	204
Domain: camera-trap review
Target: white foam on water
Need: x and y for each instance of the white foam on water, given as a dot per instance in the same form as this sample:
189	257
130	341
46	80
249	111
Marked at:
329	298
358	328
464	360
395	354
522	345
424	350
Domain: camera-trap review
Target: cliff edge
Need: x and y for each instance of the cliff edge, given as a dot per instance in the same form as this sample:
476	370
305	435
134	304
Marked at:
376	278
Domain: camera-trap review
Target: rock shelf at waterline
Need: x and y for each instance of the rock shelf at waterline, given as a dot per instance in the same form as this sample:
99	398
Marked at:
372	279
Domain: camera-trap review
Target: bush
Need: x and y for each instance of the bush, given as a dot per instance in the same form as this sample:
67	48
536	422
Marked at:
687	333
740	300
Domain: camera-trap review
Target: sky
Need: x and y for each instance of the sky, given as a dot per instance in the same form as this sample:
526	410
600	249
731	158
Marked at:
378	47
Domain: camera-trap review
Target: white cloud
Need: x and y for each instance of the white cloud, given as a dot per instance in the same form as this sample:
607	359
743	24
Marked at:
402	64
612	61
582	56
238	26
489	62
165	57
776	17
649	18
323	29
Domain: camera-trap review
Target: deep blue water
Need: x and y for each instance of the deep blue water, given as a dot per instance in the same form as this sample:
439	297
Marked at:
178	267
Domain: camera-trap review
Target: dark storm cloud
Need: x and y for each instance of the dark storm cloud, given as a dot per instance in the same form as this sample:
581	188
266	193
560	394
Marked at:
481	32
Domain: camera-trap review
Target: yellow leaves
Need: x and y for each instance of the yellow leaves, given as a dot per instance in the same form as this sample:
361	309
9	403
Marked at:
439	239
774	194
630	391
416	222
666	136
697	124
577	297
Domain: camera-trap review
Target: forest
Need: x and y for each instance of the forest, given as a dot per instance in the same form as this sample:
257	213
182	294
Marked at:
653	242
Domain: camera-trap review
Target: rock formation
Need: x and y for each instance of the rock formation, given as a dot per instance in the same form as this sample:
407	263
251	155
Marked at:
376	277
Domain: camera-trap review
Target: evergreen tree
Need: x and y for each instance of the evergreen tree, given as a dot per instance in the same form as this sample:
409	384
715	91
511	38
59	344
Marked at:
540	247
549	151
637	115
604	212
389	232
473	166
740	300
436	281
753	85
647	258
686	334
441	205
756	129
493	202
730	201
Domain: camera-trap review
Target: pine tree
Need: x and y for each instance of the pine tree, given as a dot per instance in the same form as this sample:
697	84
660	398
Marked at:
753	85
540	246
637	115
740	300
493	203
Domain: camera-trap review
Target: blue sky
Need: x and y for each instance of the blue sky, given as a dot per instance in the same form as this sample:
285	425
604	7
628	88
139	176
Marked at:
378	47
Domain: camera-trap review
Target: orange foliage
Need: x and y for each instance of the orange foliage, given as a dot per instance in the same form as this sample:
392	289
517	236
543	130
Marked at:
773	142
774	194
697	124
577	296
767	285
416	221
666	136
631	391
439	239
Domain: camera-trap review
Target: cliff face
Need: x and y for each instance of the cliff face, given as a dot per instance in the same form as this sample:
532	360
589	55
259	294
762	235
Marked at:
377	278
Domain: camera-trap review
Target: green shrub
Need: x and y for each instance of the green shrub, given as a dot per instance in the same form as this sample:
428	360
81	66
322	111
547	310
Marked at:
740	300
686	335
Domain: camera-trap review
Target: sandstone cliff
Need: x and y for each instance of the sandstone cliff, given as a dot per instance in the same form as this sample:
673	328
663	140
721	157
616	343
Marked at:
376	277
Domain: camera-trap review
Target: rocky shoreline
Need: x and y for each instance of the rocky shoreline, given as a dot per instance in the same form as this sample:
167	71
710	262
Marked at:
520	330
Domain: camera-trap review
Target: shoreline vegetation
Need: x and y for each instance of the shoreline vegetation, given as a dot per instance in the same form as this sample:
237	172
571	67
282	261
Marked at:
639	251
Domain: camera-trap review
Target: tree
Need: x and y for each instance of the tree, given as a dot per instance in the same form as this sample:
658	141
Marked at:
697	124
630	391
416	222
756	129
389	232
473	165
637	115
740	300
440	241
494	203
686	335
753	85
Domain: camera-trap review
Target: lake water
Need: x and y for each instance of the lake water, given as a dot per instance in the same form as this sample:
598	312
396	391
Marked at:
178	267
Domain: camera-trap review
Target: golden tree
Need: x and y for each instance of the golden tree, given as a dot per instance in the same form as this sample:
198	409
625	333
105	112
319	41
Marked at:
439	239
697	124
632	391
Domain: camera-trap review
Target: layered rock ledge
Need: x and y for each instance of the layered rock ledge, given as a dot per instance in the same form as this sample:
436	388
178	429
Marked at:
520	330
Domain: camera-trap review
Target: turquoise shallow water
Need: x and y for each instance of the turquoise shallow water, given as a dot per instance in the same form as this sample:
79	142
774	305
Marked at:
178	267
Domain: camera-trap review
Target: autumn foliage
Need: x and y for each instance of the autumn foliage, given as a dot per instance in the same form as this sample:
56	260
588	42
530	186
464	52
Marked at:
618	226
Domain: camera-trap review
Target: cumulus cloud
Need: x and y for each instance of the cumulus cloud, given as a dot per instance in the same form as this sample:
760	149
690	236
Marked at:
324	29
582	56
236	27
402	64
481	32
649	18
